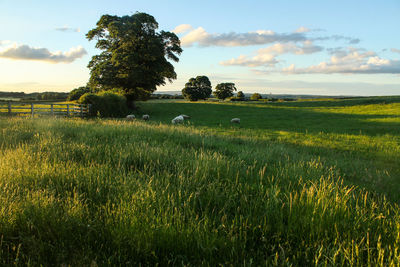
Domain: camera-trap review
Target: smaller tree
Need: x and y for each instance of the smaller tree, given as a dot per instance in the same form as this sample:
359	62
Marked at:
197	88
224	90
240	95
255	96
78	92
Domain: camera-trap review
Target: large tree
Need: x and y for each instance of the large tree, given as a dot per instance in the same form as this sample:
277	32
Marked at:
134	55
224	90
197	88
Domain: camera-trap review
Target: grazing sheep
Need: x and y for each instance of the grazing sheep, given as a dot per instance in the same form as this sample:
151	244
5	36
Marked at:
145	117
185	116
130	117
235	120
178	119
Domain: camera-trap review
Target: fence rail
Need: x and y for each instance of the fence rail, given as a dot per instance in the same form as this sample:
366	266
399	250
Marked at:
69	110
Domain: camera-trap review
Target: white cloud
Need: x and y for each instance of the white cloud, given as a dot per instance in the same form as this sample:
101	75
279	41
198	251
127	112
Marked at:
351	61
5	42
203	38
256	61
303	29
395	50
67	29
25	52
267	56
182	28
196	35
291	48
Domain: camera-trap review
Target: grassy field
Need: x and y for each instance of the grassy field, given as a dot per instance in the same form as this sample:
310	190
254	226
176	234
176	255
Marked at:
297	183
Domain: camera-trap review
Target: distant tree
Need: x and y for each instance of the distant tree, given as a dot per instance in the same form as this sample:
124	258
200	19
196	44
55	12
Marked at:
134	57
255	96
240	94
76	93
224	90
50	96
197	88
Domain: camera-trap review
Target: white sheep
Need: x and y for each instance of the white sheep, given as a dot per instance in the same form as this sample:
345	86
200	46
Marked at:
178	119
145	117
130	117
185	116
235	120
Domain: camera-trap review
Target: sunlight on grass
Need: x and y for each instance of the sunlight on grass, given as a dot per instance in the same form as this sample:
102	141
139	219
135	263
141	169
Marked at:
270	191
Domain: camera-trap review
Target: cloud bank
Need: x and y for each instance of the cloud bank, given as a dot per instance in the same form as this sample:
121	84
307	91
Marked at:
267	56
203	38
351	61
349	40
300	42
25	52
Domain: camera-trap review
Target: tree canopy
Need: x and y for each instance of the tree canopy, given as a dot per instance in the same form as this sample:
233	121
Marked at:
255	96
134	55
224	90
240	94
197	88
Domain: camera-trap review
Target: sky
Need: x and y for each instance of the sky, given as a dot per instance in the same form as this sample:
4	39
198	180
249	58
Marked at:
341	47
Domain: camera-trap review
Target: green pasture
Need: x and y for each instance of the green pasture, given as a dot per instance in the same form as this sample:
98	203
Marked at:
295	184
347	133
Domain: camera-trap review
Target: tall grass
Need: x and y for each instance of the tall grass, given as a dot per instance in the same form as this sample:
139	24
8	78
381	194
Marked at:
111	192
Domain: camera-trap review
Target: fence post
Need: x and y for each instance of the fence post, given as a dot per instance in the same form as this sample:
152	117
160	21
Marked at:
52	109
9	108
67	110
89	110
32	112
81	110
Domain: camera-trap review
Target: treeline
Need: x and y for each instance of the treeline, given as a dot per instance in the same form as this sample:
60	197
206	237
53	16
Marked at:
166	96
61	96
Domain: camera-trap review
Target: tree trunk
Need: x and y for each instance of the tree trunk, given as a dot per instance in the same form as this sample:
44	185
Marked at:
131	104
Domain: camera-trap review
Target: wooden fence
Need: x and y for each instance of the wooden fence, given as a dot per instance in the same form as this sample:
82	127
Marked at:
70	110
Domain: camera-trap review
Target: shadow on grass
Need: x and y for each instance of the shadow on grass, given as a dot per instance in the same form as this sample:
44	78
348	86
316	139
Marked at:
345	102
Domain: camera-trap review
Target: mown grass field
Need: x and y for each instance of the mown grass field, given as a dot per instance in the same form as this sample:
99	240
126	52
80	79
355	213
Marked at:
299	183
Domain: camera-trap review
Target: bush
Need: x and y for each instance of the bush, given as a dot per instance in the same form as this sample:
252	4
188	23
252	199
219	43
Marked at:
236	98
105	104
115	104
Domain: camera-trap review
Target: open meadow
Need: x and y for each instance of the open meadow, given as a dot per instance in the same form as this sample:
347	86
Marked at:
295	183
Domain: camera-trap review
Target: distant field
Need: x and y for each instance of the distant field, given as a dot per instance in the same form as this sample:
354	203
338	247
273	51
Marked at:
9	99
297	183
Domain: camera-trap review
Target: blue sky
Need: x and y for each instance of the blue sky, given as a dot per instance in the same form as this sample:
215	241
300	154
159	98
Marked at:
295	47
